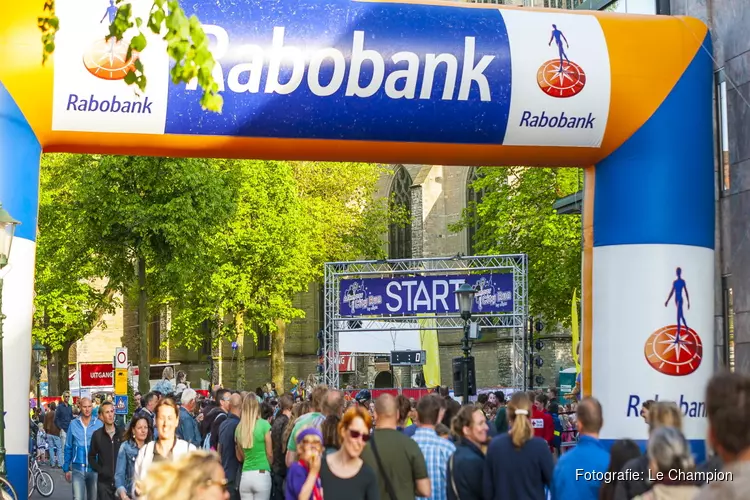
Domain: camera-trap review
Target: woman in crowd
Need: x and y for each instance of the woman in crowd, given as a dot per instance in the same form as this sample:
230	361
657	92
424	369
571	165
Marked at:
167	448
254	451
622	451
669	453
330	430
165	386
180	382
466	466
137	435
518	465
196	476
661	414
343	474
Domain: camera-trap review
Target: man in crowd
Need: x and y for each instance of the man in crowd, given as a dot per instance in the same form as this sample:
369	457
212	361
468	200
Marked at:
542	422
226	446
728	409
412	429
105	445
148	404
187	429
589	455
53	437
436	450
212	422
323	402
63	416
501	417
77	442
397	459
278	467
404	408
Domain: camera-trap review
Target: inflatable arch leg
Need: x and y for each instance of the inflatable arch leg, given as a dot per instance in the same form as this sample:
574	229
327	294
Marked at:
459	84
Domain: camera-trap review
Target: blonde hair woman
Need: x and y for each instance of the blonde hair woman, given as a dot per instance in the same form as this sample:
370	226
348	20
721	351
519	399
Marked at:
196	476
518	465
254	451
660	414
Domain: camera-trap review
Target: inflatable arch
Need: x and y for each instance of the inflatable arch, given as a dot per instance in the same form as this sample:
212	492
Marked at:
629	98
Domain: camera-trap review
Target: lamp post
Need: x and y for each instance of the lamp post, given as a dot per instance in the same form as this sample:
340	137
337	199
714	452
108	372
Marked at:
38	349
465	295
7	228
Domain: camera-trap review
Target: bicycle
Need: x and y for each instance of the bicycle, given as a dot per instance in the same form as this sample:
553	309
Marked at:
8	492
39	479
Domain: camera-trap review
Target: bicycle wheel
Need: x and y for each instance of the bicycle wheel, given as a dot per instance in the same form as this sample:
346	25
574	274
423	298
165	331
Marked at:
45	485
8	492
32	474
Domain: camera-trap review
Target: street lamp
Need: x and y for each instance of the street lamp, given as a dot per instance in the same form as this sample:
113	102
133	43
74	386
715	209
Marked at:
465	294
38	349
7	228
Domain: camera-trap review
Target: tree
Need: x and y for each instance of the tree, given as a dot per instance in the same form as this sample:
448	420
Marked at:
70	296
187	43
148	220
515	215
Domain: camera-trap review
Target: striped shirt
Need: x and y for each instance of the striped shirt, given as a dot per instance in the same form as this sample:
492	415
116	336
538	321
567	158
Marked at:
437	451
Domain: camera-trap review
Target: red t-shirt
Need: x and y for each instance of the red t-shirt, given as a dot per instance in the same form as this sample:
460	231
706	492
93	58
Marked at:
543	425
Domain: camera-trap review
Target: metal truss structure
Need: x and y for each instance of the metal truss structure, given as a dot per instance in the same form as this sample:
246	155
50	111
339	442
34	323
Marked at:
515	321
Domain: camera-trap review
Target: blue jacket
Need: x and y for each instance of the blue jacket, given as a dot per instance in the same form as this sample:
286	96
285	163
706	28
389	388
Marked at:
467	473
589	455
125	470
63	416
187	429
77	444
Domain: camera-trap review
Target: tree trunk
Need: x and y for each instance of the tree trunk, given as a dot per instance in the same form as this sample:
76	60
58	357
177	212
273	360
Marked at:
239	324
278	341
58	372
144	386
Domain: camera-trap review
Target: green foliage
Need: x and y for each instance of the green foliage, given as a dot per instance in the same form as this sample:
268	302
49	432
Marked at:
515	215
70	295
187	44
131	401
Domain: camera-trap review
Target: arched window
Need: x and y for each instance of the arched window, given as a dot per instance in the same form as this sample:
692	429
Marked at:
473	198
399	238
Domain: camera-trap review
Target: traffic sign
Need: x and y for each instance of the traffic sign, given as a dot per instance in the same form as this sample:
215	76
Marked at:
121	381
408	358
121	405
121	357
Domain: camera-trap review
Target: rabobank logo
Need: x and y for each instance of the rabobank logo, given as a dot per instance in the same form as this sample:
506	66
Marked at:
560	77
108	59
677	349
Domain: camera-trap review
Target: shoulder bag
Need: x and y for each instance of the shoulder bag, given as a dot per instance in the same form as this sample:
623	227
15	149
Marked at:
388	485
453	481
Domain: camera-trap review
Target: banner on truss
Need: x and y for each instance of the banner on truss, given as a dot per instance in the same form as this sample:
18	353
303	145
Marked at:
424	294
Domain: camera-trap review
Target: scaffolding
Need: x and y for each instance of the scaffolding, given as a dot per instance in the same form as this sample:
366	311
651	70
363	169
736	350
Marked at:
515	321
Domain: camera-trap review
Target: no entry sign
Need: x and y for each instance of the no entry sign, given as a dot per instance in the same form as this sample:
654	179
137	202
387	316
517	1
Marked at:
96	375
121	358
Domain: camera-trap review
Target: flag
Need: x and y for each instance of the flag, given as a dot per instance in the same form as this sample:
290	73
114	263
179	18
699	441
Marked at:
574	331
429	342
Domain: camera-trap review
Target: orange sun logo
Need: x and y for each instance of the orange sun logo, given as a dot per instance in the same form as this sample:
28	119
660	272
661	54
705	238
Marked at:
109	60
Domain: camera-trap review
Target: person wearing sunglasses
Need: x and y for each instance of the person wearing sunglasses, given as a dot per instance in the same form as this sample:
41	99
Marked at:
197	476
343	474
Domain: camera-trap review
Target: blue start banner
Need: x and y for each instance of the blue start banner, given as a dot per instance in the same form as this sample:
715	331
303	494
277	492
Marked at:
424	294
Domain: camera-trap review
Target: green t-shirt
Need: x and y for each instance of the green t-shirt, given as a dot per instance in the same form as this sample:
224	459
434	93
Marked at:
501	421
313	419
255	457
402	460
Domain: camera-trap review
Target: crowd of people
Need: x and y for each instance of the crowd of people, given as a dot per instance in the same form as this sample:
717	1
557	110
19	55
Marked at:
319	444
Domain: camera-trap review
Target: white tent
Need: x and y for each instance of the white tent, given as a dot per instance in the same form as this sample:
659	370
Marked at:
372	340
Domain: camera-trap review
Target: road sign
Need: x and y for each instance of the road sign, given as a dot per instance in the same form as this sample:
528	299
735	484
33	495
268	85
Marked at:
121	357
121	381
93	375
408	358
121	405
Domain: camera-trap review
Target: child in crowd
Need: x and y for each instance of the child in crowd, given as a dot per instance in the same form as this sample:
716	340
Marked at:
303	477
41	445
443	431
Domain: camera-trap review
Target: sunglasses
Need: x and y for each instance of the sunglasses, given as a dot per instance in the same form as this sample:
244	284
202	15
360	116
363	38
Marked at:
356	435
222	484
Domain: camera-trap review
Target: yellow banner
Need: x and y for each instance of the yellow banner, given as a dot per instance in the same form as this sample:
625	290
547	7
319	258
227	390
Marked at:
121	381
429	341
575	332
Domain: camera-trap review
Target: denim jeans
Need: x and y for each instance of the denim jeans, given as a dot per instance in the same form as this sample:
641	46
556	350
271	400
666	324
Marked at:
84	485
55	450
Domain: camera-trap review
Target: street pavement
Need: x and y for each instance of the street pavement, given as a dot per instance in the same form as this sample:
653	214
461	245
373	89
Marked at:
63	489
